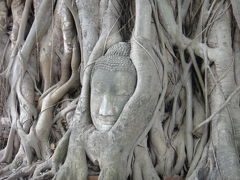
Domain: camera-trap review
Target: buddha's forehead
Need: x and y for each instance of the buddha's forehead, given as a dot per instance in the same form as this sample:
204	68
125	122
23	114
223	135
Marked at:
119	78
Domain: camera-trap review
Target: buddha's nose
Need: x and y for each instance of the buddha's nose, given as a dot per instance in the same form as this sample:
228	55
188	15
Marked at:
106	107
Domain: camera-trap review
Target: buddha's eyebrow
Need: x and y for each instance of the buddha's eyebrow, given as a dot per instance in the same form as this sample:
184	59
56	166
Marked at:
119	87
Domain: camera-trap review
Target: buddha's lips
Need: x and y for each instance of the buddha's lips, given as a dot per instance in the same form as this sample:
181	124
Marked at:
107	120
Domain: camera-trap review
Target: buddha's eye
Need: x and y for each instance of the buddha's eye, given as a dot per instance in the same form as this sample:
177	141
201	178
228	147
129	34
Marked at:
97	88
122	93
122	90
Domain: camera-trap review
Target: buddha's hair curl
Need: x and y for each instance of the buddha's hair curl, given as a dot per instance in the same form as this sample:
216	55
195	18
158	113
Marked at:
117	58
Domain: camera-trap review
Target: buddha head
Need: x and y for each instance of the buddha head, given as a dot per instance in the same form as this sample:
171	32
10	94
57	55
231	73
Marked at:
113	83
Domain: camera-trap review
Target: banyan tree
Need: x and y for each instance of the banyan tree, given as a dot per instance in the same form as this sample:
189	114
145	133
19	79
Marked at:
119	89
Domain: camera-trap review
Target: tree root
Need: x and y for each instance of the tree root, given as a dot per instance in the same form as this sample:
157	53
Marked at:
50	167
8	150
30	142
44	171
23	172
45	120
143	168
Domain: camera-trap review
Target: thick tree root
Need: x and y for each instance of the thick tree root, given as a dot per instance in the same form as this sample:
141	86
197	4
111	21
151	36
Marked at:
143	168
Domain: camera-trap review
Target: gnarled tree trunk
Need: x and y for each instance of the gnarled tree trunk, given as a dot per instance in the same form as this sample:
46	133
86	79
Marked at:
182	120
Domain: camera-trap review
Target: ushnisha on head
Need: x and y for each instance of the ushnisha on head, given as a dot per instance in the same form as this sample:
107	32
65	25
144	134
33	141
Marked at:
113	83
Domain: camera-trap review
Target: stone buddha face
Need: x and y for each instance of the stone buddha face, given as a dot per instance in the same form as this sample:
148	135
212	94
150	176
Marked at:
113	83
